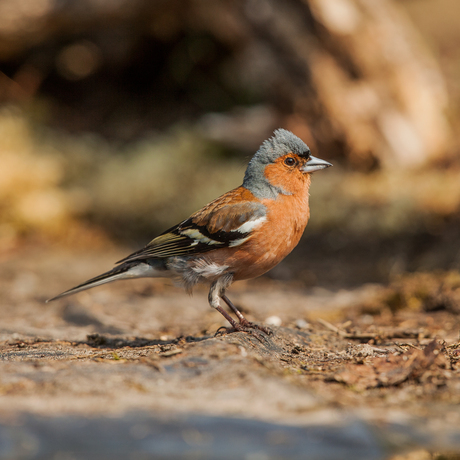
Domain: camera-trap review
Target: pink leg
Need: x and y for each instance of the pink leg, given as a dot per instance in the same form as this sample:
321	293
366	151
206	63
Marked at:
243	321
217	292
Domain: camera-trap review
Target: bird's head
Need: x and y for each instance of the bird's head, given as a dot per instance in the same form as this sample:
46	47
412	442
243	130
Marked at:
282	164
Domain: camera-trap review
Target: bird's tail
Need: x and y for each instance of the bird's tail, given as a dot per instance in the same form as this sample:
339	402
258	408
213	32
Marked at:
127	270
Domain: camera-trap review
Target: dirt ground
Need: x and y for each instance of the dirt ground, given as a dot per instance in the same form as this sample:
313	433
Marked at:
384	357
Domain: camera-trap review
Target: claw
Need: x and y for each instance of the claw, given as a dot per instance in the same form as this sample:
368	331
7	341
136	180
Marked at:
221	331
249	325
250	328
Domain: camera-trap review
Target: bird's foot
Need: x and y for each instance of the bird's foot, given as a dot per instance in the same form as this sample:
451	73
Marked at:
243	322
250	328
243	325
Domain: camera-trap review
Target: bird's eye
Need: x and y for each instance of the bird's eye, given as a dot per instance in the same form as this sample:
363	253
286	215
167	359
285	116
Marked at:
289	161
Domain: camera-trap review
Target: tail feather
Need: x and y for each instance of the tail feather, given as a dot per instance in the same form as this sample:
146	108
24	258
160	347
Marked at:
123	271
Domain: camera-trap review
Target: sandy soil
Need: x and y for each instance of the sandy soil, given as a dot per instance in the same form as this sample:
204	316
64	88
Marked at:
147	346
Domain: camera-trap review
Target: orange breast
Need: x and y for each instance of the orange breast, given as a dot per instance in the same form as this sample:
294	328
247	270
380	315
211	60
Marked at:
286	221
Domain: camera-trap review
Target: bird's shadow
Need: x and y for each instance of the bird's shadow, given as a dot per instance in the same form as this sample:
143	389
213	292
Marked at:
104	341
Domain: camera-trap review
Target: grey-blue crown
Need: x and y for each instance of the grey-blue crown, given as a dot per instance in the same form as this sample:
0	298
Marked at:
282	142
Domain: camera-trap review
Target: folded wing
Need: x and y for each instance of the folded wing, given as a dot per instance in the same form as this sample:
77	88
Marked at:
220	224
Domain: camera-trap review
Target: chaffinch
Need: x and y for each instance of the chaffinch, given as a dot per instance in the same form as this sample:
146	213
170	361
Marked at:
240	235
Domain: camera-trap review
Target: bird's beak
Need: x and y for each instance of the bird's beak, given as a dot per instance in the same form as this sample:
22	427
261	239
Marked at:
315	164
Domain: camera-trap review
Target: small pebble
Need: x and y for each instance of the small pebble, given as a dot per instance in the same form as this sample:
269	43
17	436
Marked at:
301	324
367	319
273	321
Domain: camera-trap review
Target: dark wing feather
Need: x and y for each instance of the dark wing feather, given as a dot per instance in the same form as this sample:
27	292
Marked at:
213	227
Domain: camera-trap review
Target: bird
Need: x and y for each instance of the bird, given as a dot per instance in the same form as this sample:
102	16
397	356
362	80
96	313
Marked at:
238	236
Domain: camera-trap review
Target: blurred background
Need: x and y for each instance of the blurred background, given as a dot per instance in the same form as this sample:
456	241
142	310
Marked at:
120	118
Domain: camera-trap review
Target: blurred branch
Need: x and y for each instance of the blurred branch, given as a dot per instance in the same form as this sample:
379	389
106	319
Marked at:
349	76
